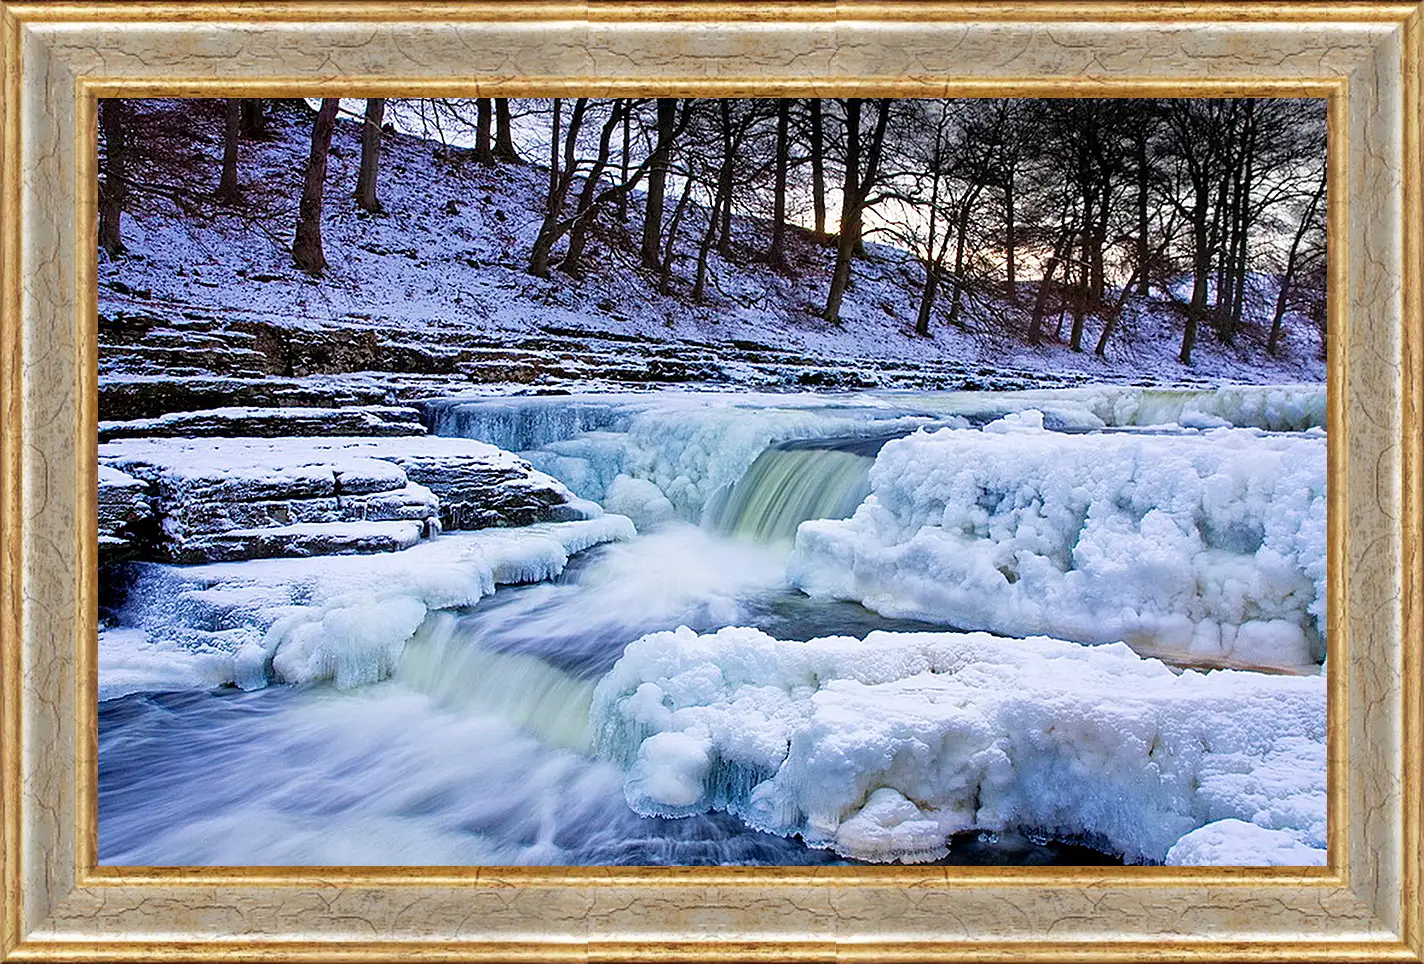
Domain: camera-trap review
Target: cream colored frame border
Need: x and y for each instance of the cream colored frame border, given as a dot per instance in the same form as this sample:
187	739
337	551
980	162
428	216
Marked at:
1364	57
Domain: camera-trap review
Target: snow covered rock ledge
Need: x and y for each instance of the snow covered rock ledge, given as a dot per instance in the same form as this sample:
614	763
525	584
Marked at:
226	499
1199	546
881	749
123	511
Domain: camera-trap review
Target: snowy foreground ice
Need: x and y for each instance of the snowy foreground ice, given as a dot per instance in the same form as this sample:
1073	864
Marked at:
340	618
881	748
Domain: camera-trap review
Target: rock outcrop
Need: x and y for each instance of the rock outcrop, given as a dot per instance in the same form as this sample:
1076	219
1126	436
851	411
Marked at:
250	422
125	516
225	499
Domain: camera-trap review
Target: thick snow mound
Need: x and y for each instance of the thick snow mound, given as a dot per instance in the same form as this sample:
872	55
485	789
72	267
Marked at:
1206	546
880	749
339	618
1234	842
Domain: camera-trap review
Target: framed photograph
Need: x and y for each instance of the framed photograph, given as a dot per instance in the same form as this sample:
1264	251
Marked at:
636	481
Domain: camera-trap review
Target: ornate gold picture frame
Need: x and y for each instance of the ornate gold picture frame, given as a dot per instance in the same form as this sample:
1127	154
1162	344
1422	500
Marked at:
1364	58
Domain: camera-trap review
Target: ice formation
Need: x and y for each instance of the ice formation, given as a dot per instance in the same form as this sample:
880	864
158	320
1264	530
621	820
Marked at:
1204	546
881	748
339	618
692	447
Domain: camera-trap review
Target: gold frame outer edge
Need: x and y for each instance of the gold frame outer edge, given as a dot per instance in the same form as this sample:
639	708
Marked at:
12	469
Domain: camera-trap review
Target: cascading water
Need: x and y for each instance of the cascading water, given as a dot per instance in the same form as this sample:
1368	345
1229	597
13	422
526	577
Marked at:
794	482
527	422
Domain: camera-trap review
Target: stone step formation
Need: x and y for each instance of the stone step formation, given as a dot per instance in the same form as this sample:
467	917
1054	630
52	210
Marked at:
227	436
216	499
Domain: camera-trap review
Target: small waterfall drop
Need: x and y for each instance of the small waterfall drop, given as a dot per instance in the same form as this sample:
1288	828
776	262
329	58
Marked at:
791	483
526	422
543	700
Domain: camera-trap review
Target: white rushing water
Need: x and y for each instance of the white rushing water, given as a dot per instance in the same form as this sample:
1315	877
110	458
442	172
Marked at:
475	737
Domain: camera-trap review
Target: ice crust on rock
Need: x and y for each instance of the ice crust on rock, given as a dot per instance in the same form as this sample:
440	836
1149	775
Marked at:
881	748
1203	546
269	422
339	618
122	507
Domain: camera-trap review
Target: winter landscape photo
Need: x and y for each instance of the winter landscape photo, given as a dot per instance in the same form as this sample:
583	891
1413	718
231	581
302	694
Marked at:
675	481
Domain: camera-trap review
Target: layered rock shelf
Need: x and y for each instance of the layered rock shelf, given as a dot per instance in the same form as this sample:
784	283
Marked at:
226	499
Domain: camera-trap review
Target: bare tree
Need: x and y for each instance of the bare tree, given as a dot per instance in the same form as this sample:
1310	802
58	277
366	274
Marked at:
307	248
371	129
1307	222
816	148
862	169
254	117
504	138
228	183
657	180
777	254
114	190
484	118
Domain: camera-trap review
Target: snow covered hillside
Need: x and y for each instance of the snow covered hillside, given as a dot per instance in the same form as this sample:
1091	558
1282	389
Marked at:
447	260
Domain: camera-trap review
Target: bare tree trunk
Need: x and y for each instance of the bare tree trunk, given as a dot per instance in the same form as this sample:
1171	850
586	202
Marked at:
927	299
1041	299
722	201
849	230
1084	292
818	172
370	154
665	273
777	254
504	137
854	200
933	260
1279	312
1141	147
962	228
228	183
1011	289
484	118
307	249
114	190
657	180
558	186
1202	268
700	278
254	117
587	211
549	201
1244	222
1095	216
624	166
724	185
